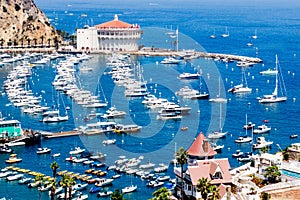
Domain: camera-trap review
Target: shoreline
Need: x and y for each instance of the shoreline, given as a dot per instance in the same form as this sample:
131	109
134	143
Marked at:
156	52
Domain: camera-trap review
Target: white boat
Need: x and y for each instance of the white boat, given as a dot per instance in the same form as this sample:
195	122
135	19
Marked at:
43	150
131	128
269	72
129	189
13	159
104	194
57	190
24	180
220	133
98	127
14	144
116	176
56	155
112	112
237	154
161	168
245	158
107	142
34	184
274	97
218	98
173	107
262	129
14	177
226	34
243	139
80	186
216	147
213	36
77	150
104	182
261	142
249	125
243	87
170	60
169	115
255	34
187	75
81	197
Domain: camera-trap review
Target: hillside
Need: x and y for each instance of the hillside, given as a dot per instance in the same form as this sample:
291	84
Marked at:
22	23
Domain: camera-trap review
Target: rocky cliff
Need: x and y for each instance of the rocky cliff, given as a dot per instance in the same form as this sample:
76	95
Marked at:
22	23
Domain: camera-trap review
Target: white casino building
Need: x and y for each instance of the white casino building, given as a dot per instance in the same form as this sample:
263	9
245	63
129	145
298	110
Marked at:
110	36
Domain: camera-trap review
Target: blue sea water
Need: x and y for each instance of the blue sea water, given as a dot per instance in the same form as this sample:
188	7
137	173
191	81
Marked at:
278	30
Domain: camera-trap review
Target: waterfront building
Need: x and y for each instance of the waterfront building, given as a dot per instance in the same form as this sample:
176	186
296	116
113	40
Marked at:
114	35
202	164
10	129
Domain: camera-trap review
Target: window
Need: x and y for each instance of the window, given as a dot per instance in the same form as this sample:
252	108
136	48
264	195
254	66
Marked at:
217	175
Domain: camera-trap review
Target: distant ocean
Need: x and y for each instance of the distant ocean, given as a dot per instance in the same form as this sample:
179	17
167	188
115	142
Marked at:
277	25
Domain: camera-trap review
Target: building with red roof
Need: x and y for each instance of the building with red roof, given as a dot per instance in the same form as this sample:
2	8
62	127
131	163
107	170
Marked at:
114	35
201	164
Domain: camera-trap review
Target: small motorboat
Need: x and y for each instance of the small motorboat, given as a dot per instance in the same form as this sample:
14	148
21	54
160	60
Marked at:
43	150
56	155
237	154
14	177
116	176
104	194
293	136
13	159
77	150
24	180
129	189
80	186
107	142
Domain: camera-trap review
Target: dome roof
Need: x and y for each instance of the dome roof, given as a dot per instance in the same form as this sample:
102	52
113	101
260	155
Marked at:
116	23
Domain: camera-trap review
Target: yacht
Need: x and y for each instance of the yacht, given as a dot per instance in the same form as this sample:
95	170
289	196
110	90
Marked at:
269	72
217	135
106	142
129	189
170	60
261	142
243	139
43	150
226	34
237	154
188	76
112	112
262	129
279	86
249	125
13	159
77	150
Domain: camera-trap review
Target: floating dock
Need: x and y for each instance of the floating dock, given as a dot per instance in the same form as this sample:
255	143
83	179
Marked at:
49	135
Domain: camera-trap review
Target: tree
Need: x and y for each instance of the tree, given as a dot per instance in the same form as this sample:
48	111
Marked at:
214	193
66	182
161	194
116	195
203	187
181	159
272	174
39	178
264	149
265	196
53	188
207	190
54	166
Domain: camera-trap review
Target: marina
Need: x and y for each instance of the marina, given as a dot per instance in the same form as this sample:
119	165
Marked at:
142	146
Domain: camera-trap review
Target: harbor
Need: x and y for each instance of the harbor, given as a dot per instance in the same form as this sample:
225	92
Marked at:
115	120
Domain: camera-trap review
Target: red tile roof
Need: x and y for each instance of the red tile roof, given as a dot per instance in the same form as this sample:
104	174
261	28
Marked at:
116	23
207	168
196	149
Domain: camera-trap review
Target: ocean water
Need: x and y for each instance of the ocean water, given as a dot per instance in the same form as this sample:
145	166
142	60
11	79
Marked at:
278	31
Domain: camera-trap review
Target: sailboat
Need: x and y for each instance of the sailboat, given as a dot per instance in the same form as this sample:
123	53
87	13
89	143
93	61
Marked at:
54	117
219	99
245	138
241	88
213	36
220	133
274	97
201	94
255	35
226	34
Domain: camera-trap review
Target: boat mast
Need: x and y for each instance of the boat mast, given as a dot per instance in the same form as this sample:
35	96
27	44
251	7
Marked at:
275	93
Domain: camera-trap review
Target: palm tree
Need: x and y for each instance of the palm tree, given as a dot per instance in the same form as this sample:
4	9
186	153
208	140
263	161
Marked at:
161	194
39	178
116	195
66	182
214	193
53	188
203	187
181	158
54	166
